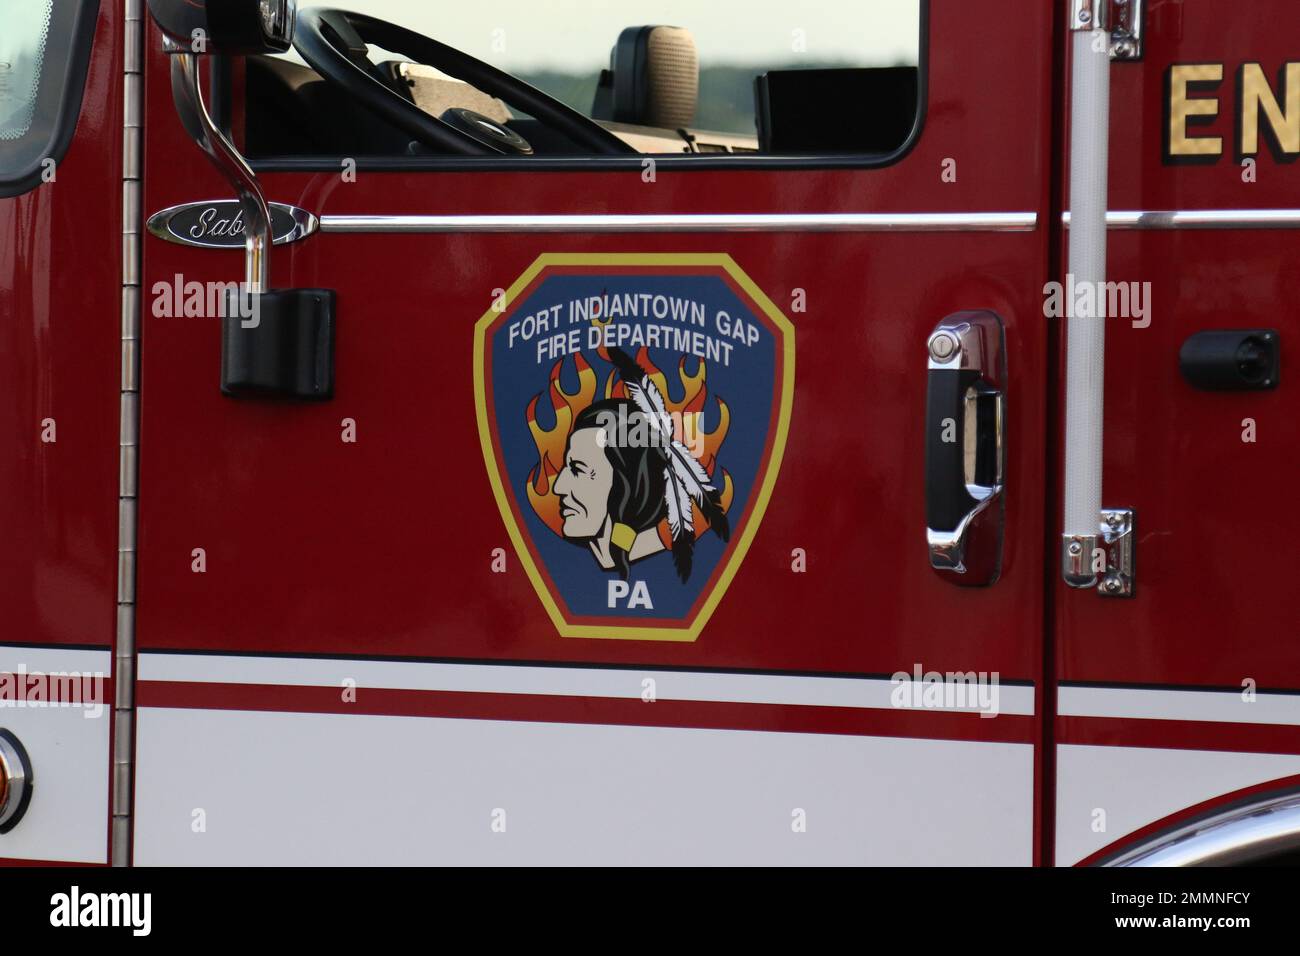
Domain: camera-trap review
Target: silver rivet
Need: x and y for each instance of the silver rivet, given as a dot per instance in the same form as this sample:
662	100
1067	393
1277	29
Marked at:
1076	548
942	346
1085	16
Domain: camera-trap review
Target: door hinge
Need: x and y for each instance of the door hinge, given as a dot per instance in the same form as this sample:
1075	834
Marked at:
1122	19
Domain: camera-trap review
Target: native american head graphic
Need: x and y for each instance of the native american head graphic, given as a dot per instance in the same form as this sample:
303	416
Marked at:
637	477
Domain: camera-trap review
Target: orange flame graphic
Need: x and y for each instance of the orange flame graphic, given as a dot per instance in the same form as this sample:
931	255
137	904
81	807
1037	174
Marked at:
688	420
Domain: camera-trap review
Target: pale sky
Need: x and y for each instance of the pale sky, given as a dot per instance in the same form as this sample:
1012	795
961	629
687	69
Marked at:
576	35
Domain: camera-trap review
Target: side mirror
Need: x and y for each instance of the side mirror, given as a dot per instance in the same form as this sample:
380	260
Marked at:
227	26
275	343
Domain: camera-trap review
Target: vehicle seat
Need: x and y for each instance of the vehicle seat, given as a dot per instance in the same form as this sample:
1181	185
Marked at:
653	79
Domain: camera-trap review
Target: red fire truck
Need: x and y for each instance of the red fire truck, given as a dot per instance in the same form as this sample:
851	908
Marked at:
637	433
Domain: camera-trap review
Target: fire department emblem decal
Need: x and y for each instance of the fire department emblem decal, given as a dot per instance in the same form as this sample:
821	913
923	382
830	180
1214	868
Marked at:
633	412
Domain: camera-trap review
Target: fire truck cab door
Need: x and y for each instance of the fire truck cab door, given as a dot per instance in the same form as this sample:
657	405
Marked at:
667	507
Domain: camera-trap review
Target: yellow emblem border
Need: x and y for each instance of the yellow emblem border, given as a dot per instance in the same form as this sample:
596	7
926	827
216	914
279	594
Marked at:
692	631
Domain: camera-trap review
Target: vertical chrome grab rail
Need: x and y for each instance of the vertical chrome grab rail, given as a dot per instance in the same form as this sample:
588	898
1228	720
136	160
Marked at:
1086	333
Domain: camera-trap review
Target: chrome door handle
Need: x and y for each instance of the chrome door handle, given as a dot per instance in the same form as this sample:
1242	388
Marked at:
964	450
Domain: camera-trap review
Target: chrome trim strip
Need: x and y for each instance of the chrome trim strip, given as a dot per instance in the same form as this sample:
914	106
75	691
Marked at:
703	222
128	460
1199	219
1243	834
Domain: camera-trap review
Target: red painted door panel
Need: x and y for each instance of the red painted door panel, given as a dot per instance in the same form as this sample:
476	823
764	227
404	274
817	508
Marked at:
1211	605
1185	696
60	358
384	547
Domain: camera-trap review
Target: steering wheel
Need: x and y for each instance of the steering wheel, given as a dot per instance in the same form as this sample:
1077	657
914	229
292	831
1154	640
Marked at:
333	42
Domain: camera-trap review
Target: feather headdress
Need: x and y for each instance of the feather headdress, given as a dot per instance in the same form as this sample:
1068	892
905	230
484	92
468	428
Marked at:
686	482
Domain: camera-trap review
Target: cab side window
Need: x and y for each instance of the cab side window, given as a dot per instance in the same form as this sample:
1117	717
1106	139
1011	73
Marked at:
730	78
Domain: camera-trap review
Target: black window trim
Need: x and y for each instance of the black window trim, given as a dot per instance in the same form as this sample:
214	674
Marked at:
666	162
70	94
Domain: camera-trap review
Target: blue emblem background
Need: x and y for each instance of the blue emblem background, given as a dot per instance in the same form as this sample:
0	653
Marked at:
747	386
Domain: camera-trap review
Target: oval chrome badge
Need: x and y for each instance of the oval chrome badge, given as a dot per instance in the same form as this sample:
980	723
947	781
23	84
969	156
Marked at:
219	224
